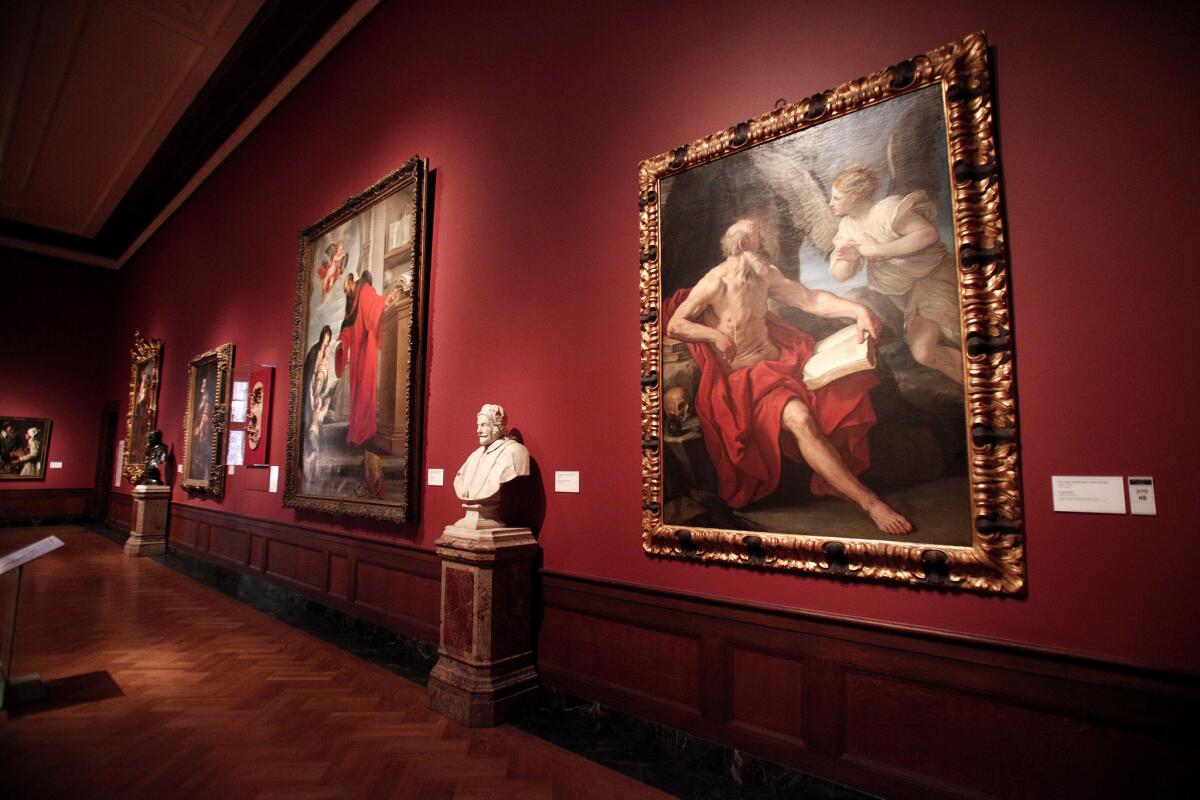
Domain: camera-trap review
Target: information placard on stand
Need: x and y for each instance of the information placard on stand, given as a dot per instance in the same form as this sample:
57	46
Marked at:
14	691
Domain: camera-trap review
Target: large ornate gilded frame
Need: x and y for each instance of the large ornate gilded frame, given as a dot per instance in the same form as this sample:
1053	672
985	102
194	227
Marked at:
214	481
402	387
145	358
994	561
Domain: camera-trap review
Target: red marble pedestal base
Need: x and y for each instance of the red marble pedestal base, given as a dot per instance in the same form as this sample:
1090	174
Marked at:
485	665
148	535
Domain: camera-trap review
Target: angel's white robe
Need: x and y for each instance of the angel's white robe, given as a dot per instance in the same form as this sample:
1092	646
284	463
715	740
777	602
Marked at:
923	282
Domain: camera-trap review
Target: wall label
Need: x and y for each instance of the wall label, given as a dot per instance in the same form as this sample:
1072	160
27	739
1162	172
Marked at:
1141	496
566	482
1088	494
437	477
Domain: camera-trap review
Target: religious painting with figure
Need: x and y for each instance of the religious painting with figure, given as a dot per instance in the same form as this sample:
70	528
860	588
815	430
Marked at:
357	354
206	420
826	367
145	366
24	448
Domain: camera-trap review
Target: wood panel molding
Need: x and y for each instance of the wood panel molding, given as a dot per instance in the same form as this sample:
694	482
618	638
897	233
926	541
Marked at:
901	712
119	513
40	505
393	585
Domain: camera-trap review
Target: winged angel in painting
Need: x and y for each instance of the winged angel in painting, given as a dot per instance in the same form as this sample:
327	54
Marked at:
810	243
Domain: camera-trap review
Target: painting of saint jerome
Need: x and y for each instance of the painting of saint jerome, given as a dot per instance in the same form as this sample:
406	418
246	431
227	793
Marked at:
772	250
356	354
809	398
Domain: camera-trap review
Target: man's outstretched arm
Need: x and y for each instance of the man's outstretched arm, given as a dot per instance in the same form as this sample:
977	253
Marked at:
824	304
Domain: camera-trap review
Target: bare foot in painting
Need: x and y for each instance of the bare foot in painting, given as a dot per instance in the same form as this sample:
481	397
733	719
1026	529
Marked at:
888	519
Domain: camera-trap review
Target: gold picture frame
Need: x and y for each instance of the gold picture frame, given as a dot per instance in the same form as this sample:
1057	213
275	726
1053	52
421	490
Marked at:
924	445
358	344
145	371
206	421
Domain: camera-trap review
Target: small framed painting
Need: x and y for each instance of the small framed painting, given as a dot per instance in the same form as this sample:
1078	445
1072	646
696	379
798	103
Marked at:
206	421
24	447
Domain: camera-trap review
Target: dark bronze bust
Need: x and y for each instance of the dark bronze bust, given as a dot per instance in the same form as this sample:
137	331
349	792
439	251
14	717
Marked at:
156	454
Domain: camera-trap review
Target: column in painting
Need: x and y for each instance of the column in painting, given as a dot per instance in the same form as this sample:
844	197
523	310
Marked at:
391	414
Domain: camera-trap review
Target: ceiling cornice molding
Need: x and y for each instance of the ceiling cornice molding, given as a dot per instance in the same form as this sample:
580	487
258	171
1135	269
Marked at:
281	45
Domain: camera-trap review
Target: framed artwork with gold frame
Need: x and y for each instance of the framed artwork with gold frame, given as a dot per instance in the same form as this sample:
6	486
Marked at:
24	448
206	421
826	358
144	373
357	368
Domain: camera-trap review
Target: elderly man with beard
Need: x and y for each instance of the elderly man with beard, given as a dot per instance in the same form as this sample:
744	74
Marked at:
752	401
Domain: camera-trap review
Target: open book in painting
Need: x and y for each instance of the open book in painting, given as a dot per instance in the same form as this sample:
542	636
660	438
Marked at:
838	355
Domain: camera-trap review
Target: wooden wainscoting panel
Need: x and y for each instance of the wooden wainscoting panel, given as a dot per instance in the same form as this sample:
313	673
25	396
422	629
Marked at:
258	553
183	531
339	577
904	713
622	656
394	585
229	546
902	727
401	596
295	564
35	505
766	694
120	511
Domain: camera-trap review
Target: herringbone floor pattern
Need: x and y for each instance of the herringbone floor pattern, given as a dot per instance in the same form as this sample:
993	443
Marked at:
163	688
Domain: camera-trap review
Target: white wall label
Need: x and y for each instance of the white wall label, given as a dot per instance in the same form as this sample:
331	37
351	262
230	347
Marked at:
275	479
230	469
179	468
437	477
234	454
55	465
566	482
1141	496
120	464
1088	494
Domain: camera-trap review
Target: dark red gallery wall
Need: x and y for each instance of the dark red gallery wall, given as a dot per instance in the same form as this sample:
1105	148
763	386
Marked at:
59	320
534	121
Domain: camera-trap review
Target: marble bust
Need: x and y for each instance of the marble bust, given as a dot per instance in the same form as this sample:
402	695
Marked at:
497	461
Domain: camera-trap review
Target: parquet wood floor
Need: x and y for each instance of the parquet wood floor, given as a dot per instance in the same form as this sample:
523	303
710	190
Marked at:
161	687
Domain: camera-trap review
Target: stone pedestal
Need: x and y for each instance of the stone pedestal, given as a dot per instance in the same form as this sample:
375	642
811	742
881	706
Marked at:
148	536
485	665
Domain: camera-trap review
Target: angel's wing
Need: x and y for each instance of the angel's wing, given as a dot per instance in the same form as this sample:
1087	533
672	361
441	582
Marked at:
806	198
913	163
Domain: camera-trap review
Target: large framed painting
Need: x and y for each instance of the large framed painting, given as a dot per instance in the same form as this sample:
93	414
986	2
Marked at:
144	369
827	370
24	447
206	421
357	354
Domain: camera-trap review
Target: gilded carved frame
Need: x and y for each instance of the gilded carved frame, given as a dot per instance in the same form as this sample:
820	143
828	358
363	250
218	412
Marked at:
406	382
210	456
146	363
995	561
